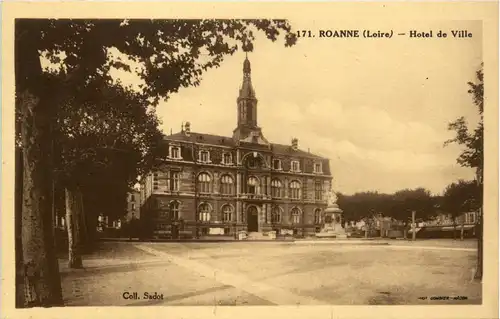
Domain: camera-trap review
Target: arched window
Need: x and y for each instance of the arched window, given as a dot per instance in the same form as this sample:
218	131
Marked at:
295	212
204	212
295	190
253	185
276	188
227	213
174	210
226	185
317	216
276	215
204	182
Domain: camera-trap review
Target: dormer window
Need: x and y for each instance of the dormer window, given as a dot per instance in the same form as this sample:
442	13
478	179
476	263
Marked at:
295	166
204	156
317	168
174	152
227	159
277	164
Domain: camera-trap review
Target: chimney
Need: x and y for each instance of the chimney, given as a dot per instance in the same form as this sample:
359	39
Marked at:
187	128
295	144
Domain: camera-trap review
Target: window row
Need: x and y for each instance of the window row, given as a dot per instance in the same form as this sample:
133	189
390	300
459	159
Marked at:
203	155
227	159
228	214
172	181
295	166
227	186
295	215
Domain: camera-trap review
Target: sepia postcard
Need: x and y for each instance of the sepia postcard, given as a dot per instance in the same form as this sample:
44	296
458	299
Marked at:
274	160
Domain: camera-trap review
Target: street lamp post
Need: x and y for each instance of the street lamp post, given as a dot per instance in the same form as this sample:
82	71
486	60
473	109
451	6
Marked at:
413	226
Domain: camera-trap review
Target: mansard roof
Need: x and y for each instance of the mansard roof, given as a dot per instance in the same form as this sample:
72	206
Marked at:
202	138
219	140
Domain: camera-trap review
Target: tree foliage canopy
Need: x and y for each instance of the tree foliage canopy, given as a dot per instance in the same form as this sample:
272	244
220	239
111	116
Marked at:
472	156
462	196
398	205
168	54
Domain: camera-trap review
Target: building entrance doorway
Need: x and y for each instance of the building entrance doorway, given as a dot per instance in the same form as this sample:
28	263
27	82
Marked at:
252	219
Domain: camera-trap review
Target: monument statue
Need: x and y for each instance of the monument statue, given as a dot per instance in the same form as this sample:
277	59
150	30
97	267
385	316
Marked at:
332	226
332	198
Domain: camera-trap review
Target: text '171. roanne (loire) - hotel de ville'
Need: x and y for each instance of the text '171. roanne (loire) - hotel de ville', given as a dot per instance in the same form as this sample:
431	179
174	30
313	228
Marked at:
210	184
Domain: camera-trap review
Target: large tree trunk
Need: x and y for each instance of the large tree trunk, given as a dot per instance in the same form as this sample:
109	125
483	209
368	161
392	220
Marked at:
462	231
42	283
479	268
18	229
41	269
73	226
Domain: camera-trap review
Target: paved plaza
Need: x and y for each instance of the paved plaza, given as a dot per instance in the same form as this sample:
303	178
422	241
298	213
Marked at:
274	273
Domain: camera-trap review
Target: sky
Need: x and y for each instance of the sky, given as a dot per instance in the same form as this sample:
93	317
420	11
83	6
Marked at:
377	108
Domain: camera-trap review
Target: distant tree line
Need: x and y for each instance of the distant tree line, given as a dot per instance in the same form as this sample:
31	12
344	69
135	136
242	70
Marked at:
457	198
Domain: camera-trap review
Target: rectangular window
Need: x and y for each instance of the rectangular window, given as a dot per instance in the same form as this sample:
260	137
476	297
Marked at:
318	190
252	189
295	166
317	168
175	152
277	164
204	156
132	198
174	181
155	181
227	159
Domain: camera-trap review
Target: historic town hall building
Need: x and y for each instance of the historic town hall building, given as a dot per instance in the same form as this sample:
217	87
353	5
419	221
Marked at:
218	185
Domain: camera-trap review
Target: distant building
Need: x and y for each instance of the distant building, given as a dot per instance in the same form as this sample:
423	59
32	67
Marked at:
133	205
445	219
210	184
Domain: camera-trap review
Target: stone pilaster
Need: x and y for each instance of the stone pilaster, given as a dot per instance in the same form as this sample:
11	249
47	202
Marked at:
216	183
286	187
268	212
268	185
238	183
238	212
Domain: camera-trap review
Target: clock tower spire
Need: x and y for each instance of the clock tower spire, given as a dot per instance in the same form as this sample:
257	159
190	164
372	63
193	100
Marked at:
247	129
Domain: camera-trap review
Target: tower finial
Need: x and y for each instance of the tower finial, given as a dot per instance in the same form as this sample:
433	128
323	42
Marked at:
246	66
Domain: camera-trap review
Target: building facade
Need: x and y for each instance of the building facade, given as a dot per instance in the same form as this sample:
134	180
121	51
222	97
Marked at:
219	185
133	205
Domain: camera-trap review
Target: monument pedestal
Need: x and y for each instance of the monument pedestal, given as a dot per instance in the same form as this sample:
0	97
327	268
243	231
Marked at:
332	230
332	227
